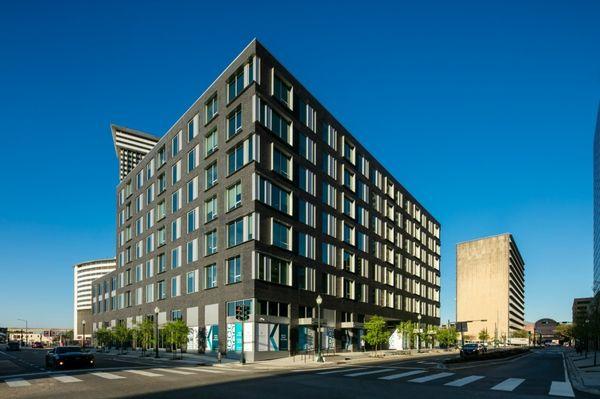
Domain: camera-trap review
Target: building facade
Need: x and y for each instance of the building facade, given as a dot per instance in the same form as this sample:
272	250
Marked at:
258	196
580	309
596	156
83	276
490	286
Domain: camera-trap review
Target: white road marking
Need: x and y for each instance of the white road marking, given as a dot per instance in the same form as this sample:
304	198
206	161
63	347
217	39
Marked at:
508	385
108	376
202	370
144	373
368	372
66	378
431	377
464	381
342	370
17	382
174	371
561	388
406	374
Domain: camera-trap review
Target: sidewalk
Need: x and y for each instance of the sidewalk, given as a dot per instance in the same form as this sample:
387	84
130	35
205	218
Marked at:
583	374
189	358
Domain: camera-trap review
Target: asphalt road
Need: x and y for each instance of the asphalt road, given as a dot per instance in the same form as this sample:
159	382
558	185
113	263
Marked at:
536	375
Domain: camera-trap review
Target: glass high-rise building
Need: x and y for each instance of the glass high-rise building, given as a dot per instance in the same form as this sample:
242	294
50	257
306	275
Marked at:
597	206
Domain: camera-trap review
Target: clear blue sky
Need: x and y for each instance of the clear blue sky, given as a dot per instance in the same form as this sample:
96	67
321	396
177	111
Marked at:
485	111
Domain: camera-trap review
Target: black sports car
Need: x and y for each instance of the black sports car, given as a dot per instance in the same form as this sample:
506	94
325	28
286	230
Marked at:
69	356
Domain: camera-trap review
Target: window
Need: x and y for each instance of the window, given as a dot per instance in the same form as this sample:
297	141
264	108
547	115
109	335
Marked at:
233	304
149	293
210	240
234	270
211	142
210	209
149	268
306	245
306	180
162	156
307	115
150	169
348	259
235	232
192	220
282	163
139	178
176	201
162	183
234	196
176	172
328	254
162	263
234	123
272	120
273	269
150	243
236	158
176	315
273	195
281	235
161	210
175	286
191	282
175	258
348	179
193	158
210	175
192	129
176	144
349	151
348	206
192	251
282	91
306	213
138	273
348	234
235	85
161	294
212	108
307	148
162	236
210	276
192	189
329	135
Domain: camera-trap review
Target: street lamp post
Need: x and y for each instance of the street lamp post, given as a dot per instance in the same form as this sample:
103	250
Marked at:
83	340
156	310
26	332
319	301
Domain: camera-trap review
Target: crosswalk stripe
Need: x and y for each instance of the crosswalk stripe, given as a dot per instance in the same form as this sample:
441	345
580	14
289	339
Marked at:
561	388
342	370
108	376
202	370
464	381
401	375
17	382
174	371
66	378
246	370
368	372
430	377
144	373
508	385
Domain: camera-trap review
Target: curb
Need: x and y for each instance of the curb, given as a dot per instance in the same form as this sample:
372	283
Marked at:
576	380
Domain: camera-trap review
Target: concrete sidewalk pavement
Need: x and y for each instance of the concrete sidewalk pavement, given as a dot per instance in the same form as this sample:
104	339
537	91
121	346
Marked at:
583	374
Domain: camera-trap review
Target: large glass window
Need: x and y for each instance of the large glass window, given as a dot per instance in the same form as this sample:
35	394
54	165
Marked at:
190	130
212	107
211	142
234	270
281	235
162	293
210	209
282	163
236	158
235	232
191	282
211	175
211	242
235	85
175	286
282	91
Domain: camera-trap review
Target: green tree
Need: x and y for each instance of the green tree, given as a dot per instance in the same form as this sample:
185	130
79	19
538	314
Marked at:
122	335
447	337
103	337
407	329
377	333
519	334
176	334
564	331
146	334
483	335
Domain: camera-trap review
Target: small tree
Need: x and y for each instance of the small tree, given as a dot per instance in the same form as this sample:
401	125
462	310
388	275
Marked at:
519	334
483	335
103	337
146	334
447	337
176	334
122	335
407	329
377	333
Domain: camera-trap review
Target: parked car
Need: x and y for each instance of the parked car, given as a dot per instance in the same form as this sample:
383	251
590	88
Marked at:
37	345
472	350
69	356
13	346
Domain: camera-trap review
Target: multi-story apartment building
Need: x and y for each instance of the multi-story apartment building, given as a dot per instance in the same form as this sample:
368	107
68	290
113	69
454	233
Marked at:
83	276
257	195
596	156
580	309
490	286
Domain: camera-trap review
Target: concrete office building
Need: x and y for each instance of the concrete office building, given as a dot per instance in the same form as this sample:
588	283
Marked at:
596	156
580	309
490	285
83	276
257	195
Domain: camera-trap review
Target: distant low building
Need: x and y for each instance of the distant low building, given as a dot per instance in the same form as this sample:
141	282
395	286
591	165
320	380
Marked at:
545	330
580	309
